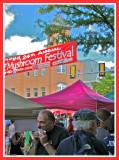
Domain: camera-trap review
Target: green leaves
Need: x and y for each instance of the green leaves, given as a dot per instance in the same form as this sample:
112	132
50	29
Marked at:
105	85
99	16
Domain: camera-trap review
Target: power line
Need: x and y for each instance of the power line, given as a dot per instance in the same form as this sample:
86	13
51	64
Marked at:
91	73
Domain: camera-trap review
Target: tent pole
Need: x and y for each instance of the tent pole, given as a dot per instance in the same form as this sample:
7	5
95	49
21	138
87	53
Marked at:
66	118
96	106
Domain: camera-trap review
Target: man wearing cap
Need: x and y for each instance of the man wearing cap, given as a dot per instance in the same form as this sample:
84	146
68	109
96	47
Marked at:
85	122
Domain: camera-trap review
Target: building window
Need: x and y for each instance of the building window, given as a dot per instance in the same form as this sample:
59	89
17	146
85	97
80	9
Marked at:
13	90
61	68
78	74
61	86
42	91
35	92
42	71
35	73
28	93
50	41
59	38
28	74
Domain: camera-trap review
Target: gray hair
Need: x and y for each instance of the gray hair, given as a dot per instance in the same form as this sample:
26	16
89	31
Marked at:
50	115
81	124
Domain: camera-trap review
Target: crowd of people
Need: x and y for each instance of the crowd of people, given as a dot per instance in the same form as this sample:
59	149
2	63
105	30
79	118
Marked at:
87	133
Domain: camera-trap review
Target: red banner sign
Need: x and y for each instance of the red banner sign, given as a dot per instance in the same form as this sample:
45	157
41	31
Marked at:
57	55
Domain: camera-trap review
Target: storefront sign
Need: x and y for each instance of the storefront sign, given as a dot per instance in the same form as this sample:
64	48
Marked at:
57	55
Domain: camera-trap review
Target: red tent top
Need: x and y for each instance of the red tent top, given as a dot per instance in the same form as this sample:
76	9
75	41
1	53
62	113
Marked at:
62	111
75	97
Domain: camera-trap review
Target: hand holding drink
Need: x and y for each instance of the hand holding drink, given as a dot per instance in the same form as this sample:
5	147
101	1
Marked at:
43	136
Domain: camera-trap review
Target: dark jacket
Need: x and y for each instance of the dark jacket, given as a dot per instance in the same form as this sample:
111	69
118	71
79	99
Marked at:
67	147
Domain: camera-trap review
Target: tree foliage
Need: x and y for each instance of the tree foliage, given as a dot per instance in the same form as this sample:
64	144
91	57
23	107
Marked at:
105	85
100	16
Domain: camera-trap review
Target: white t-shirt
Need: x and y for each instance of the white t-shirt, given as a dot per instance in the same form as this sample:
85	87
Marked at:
11	130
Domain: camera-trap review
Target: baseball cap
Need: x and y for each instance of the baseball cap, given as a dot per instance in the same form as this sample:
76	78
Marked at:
86	114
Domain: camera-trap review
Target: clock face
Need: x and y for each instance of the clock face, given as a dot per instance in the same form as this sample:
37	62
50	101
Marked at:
59	38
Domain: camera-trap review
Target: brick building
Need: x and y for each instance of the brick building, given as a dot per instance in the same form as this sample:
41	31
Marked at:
46	81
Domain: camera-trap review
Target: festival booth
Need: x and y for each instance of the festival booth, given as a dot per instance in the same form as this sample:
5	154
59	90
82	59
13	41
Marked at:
17	107
62	111
75	97
110	95
21	110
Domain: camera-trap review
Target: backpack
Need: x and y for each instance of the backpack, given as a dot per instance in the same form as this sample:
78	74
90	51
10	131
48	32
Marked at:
83	144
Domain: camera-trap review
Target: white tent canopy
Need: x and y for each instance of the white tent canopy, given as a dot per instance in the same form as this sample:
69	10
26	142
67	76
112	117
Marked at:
17	107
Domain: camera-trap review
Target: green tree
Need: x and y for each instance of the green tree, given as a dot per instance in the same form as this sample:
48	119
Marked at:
100	16
105	85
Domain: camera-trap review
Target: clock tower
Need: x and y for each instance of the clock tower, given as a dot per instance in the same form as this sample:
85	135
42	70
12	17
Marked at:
62	34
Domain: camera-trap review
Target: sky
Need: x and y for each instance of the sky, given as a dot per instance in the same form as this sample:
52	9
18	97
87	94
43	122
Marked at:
20	29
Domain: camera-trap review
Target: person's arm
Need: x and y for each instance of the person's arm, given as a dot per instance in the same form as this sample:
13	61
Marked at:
49	149
14	141
44	141
32	137
34	147
22	140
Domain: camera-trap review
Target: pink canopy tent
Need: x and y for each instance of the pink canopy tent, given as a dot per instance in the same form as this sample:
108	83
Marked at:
75	97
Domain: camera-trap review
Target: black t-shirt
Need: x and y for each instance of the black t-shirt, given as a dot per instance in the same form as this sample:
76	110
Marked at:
54	138
66	146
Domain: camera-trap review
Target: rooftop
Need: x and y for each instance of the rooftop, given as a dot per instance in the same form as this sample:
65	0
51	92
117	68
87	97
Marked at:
60	21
